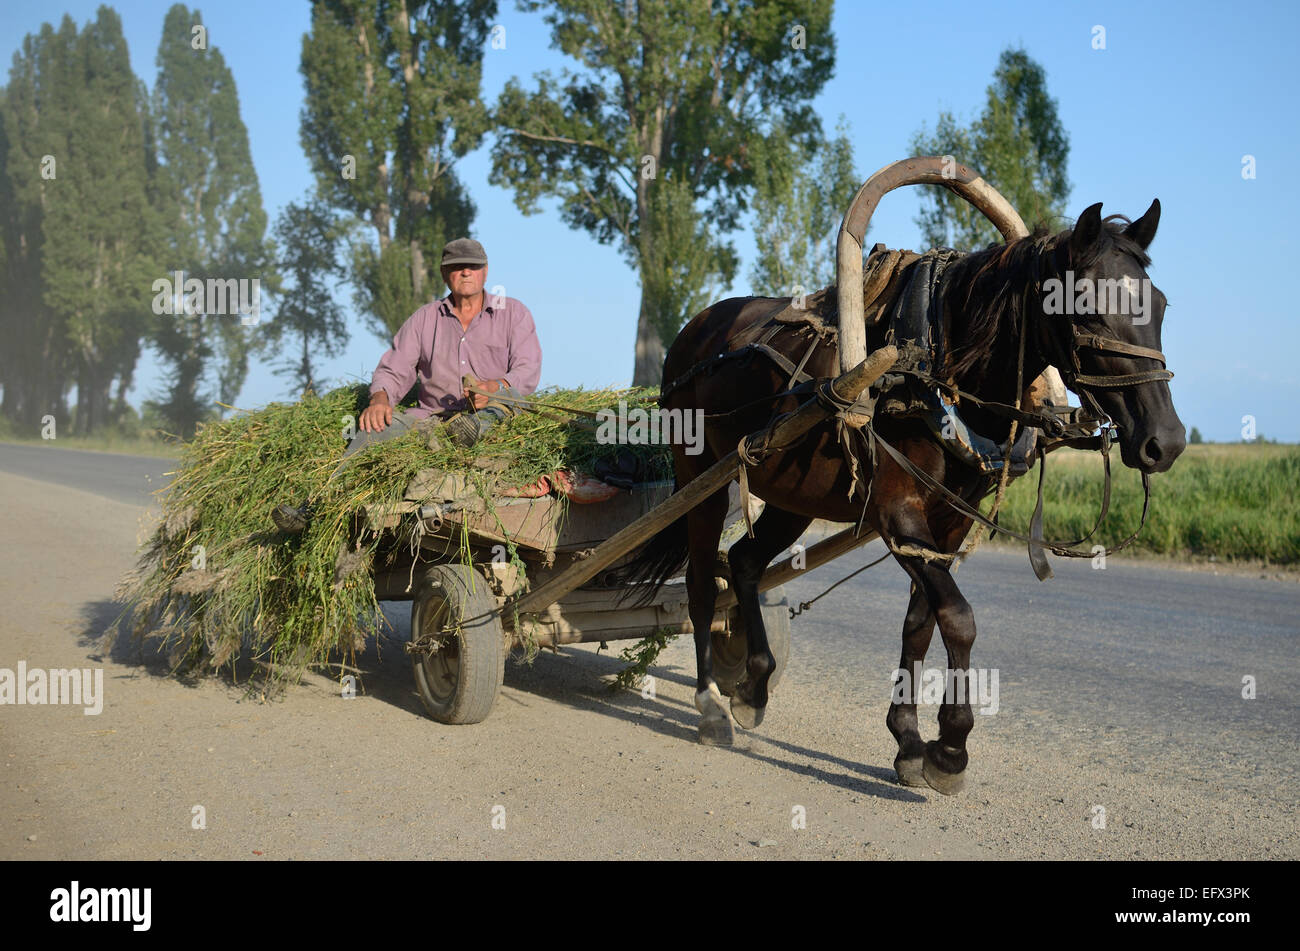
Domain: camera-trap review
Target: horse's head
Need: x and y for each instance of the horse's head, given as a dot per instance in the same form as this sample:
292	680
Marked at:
1102	330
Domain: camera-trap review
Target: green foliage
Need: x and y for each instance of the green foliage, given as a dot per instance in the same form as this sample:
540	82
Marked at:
1232	502
1195	438
799	200
1017	144
640	657
216	581
392	103
684	268
308	236
668	98
206	189
75	223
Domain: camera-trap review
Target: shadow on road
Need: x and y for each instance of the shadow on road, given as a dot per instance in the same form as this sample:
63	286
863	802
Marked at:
576	679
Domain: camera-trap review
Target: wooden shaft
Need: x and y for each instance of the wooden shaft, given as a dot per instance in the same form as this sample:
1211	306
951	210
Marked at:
784	431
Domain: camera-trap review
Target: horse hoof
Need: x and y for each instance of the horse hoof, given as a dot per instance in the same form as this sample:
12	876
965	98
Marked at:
717	731
910	771
747	716
936	778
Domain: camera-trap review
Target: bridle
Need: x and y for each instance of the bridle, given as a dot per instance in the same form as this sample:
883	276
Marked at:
1073	432
1083	383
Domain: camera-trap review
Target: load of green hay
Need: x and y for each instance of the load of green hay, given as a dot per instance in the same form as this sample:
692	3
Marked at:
217	581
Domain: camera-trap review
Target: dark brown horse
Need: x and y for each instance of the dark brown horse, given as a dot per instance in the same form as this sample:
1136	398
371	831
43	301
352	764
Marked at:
987	297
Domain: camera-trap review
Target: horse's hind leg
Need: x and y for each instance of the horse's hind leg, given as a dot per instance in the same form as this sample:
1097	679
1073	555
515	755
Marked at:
704	531
774	531
918	628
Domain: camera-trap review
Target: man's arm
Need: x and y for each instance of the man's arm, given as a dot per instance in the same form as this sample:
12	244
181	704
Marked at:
525	370
395	373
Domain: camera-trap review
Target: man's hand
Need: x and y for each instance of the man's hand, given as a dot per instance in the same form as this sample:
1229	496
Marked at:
477	400
378	415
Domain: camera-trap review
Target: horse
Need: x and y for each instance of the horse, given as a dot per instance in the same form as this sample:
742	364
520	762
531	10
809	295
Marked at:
989	299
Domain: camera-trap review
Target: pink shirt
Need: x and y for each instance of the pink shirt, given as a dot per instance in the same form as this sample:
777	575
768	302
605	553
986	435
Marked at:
501	343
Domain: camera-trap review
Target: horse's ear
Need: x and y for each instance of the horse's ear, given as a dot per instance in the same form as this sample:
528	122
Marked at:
1086	230
1144	229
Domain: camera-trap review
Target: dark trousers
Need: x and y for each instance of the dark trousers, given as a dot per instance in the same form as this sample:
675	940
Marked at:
404	423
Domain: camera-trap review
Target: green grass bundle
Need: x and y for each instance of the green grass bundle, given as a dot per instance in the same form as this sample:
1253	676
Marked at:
217	581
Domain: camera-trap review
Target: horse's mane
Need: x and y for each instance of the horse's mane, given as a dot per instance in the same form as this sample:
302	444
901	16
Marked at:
988	290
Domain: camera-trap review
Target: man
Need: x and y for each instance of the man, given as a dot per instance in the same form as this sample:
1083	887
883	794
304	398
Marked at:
466	339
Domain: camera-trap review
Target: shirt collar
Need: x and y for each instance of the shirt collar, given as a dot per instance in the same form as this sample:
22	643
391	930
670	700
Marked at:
444	305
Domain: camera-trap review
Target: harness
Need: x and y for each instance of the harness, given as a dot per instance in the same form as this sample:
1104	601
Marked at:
901	292
1072	428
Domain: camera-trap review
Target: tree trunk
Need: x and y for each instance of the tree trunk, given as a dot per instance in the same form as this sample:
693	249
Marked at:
650	350
417	271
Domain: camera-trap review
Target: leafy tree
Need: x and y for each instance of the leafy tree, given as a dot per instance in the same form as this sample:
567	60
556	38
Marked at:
1195	437
33	364
799	201
77	223
392	103
207	190
648	145
1017	144
308	236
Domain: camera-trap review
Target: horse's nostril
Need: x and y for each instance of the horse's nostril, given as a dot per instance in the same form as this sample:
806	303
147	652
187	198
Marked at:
1159	452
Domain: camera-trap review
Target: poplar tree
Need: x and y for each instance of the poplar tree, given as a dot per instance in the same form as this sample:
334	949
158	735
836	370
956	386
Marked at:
32	360
1017	144
78	223
800	197
392	103
207	193
647	145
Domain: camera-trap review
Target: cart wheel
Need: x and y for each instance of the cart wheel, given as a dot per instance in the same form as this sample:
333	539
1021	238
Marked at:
458	682
729	653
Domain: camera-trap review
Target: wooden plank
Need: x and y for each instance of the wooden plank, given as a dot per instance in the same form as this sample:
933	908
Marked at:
784	431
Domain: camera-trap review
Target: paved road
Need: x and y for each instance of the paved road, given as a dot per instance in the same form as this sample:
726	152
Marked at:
113	475
1119	690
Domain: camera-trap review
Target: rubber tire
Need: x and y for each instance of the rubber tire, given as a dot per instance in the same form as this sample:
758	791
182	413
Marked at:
729	653
463	691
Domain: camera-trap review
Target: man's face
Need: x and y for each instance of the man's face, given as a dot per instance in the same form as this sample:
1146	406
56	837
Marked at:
465	280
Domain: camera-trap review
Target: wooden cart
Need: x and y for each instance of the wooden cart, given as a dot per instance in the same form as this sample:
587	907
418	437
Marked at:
466	617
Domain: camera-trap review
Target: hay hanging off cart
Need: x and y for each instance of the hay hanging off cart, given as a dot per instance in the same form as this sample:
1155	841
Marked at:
216	581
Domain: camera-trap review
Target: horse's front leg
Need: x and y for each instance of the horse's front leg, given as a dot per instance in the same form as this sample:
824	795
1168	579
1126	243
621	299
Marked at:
918	628
704	531
775	530
945	759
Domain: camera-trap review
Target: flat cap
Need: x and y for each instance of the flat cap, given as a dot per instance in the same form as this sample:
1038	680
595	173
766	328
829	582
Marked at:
463	251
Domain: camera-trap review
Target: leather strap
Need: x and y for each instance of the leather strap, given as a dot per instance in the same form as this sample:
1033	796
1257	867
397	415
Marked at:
1058	548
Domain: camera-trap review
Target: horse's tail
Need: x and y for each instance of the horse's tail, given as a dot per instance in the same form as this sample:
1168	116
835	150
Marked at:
662	557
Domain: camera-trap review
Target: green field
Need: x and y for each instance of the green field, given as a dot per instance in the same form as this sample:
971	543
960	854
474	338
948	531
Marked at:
1232	502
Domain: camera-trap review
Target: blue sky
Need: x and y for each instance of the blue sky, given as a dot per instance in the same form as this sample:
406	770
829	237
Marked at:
1168	109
